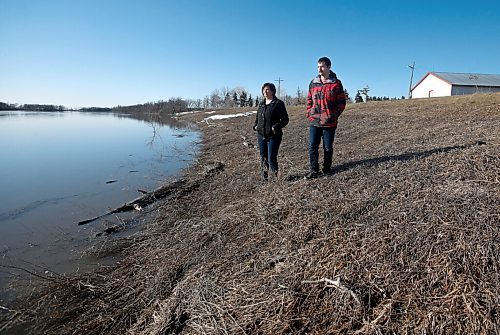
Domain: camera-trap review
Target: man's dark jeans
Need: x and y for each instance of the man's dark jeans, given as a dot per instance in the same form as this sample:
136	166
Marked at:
315	136
269	153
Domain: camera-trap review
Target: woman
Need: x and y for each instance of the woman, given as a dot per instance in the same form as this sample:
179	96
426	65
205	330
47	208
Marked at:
271	118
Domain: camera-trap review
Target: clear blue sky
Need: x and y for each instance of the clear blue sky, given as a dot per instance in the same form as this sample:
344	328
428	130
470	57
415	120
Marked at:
109	52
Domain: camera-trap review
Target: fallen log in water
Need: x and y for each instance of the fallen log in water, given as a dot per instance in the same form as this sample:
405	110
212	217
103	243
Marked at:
149	197
142	201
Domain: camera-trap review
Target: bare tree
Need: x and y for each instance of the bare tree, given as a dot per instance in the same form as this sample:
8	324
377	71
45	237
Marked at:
215	99
232	99
239	90
224	91
194	103
287	99
298	100
206	102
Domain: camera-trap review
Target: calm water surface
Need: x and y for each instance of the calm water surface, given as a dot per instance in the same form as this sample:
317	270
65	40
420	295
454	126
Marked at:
61	168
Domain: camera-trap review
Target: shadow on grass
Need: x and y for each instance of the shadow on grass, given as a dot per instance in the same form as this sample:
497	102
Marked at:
397	158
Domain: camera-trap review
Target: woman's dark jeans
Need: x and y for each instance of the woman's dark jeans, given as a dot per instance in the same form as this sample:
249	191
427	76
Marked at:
315	136
269	153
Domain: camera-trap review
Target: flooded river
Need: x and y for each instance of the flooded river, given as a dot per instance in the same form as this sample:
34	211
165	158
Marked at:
60	168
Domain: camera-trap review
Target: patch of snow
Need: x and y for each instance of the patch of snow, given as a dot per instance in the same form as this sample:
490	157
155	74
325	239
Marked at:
229	116
190	112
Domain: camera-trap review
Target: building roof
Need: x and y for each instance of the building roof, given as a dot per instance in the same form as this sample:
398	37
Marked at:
466	79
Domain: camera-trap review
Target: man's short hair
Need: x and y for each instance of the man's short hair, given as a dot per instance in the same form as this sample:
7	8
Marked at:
325	60
271	87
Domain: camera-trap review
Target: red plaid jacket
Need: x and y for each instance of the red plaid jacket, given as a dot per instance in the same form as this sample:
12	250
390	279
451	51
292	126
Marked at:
325	101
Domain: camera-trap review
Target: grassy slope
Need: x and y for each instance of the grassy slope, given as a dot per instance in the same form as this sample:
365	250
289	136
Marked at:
408	225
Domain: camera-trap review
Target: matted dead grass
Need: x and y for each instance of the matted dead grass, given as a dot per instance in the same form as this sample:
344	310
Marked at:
402	239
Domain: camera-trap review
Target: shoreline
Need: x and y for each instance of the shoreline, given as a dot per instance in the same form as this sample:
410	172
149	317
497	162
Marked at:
39	227
383	251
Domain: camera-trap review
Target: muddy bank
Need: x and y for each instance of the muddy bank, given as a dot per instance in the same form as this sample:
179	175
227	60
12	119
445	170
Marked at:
403	238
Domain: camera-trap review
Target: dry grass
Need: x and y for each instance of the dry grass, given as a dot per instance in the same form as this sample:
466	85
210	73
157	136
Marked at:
402	239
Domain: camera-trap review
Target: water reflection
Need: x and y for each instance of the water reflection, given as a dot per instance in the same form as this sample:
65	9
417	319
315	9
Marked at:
56	170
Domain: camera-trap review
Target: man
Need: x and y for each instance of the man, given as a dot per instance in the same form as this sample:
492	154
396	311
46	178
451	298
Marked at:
325	102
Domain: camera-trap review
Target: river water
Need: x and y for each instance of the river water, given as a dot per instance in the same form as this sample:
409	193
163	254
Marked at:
57	169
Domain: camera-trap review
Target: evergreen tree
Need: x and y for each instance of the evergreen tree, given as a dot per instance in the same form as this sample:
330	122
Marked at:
227	100
347	98
358	98
235	98
250	101
257	101
243	98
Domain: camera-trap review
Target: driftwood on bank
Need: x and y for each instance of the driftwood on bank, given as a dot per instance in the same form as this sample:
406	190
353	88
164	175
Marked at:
142	201
160	193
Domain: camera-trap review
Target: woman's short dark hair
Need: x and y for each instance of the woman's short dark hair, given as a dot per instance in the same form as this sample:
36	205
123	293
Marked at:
325	60
271	87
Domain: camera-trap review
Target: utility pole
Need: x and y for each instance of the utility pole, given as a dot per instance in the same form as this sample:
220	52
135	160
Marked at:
412	67
365	91
279	80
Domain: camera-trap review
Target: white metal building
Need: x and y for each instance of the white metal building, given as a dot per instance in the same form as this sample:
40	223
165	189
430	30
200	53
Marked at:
443	84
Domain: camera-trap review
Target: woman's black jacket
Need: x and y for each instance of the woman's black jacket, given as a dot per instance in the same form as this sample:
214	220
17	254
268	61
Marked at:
271	116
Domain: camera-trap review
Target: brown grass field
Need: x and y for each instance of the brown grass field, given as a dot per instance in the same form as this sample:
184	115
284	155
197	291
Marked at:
402	239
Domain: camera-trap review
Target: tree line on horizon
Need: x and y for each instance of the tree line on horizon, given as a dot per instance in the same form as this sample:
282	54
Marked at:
32	107
359	98
219	98
239	97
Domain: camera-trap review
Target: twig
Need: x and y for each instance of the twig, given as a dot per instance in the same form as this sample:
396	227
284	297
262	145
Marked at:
8	309
335	284
28	271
